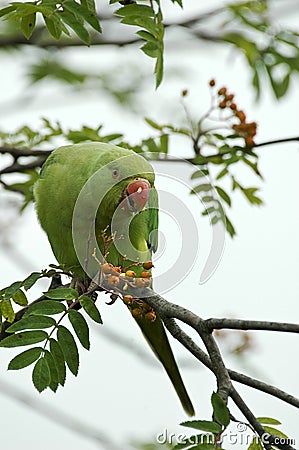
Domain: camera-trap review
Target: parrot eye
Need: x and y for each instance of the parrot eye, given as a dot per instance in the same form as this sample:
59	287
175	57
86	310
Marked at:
115	173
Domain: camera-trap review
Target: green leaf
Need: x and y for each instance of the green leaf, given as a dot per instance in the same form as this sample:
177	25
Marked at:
62	294
54	25
135	10
153	124
25	358
256	444
7	10
10	291
59	361
28	24
41	375
222	173
276	432
221	411
224	195
72	21
151	49
80	327
69	348
54	382
20	298
31	323
91	309
203	425
164	140
25	338
268	420
88	15
199	174
7	310
46	307
205	187
31	280
229	227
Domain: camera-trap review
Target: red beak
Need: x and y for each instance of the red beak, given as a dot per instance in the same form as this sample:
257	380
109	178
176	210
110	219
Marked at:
137	193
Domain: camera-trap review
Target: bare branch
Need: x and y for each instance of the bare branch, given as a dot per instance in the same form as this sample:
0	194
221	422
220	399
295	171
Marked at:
238	324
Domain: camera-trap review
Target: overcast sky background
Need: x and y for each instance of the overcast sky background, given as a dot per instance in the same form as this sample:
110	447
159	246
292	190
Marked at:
116	391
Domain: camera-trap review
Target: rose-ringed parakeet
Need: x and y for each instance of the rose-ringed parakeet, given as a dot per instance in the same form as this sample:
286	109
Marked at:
87	188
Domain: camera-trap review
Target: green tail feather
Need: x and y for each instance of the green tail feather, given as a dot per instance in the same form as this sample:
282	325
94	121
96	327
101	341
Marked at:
156	337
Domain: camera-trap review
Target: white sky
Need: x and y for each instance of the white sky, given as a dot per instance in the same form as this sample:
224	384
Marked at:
116	392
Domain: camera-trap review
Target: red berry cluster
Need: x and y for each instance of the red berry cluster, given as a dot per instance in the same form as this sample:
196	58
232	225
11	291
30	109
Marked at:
119	280
246	130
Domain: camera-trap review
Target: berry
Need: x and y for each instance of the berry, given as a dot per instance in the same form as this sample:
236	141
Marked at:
212	82
222	91
184	92
130	274
145	274
147	265
128	299
113	280
137	313
151	316
223	104
107	268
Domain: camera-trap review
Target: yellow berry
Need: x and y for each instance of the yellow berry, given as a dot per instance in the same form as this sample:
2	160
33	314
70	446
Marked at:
145	274
130	274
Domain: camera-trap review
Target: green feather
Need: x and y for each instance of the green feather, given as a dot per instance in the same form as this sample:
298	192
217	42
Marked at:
66	174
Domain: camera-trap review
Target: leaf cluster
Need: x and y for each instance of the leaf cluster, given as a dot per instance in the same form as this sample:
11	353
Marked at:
59	350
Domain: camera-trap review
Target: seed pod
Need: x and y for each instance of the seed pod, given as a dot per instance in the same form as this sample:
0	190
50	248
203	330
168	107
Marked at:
113	280
107	268
128	299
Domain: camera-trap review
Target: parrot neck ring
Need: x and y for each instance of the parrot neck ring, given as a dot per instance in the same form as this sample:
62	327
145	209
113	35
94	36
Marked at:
136	194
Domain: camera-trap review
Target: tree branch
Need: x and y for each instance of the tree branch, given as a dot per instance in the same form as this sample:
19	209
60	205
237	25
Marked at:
238	324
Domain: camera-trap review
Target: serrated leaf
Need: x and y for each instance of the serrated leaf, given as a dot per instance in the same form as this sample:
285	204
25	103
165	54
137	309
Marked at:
91	309
28	24
76	26
205	187
45	308
88	15
59	360
7	10
25	338
12	289
61	294
80	327
199	174
256	444
7	310
203	425
53	385
224	195
54	25
135	10
20	298
31	323
153	124
229	227
268	420
276	432
69	348
151	49
221	411
25	358
41	375
31	280
222	173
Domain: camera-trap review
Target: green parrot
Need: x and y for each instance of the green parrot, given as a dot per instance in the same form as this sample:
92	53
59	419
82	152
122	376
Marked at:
88	192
